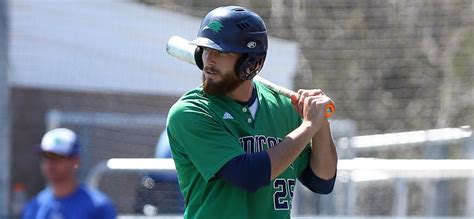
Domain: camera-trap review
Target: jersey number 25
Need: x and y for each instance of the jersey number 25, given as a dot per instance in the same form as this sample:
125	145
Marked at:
283	188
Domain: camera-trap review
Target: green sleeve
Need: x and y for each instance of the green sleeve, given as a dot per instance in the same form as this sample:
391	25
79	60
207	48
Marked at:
197	139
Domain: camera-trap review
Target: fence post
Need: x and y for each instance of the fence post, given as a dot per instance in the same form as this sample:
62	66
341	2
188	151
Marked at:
436	194
470	184
400	203
5	149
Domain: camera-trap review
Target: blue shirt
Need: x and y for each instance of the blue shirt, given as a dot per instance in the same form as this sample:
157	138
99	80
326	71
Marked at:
84	203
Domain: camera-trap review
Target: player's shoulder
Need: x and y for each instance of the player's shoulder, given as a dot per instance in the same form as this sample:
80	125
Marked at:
270	95
194	94
43	198
101	203
264	90
31	208
193	101
96	197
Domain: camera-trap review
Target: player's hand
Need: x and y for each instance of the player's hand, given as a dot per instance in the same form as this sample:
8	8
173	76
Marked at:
311	106
298	99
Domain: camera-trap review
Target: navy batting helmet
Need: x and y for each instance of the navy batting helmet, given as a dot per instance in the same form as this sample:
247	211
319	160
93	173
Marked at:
237	30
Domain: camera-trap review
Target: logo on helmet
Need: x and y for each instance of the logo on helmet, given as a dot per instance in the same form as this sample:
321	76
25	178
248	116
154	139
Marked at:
251	44
215	26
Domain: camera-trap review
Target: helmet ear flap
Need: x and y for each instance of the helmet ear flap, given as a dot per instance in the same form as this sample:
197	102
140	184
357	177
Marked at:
198	57
240	65
249	65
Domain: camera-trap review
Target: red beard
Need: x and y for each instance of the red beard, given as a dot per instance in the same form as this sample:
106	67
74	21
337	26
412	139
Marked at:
228	83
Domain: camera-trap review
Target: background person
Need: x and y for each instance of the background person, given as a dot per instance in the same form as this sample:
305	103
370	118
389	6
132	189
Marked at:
65	197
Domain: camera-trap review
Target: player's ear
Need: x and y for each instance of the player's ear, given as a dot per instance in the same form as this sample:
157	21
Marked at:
76	161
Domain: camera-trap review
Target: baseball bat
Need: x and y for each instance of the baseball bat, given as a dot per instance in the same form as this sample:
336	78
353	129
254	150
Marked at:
183	50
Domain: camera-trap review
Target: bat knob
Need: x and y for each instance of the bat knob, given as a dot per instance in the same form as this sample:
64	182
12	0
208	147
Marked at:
329	110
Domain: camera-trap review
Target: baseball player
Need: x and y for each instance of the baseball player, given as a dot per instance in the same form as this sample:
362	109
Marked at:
65	198
238	146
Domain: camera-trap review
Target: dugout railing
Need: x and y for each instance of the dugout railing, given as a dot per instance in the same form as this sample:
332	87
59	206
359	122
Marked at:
357	170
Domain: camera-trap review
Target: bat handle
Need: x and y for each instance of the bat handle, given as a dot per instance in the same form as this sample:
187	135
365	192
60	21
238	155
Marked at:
329	109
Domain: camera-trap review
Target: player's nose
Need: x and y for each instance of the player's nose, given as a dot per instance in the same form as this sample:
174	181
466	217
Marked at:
209	56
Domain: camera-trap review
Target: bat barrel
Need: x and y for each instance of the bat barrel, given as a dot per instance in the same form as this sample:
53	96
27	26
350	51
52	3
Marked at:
181	48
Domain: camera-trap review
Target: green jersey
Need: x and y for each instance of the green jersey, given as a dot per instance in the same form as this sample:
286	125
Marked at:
206	131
